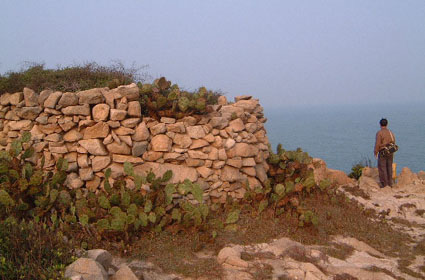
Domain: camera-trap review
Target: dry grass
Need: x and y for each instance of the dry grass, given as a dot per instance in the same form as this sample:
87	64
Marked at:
337	216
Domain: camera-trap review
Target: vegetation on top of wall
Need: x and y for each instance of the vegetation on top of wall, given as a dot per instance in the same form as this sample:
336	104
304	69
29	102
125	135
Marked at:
163	99
70	78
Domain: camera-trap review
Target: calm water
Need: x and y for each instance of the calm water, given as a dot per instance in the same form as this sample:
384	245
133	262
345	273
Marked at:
345	135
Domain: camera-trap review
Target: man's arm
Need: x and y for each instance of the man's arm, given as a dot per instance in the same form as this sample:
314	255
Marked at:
377	141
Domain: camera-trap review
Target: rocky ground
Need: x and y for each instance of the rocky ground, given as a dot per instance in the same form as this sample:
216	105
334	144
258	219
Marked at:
403	206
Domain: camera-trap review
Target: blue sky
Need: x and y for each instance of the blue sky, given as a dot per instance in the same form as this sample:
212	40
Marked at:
284	52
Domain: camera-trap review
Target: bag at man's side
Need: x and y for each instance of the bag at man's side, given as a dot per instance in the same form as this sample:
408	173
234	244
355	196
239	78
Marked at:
390	148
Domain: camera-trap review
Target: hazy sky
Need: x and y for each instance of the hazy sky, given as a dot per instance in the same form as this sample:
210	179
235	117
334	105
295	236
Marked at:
283	52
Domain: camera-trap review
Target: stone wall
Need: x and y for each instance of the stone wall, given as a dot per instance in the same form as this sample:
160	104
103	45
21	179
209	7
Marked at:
102	128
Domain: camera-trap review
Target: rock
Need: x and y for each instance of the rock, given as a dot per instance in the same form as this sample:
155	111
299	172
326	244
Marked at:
141	133
219	122
230	174
98	163
118	115
124	273
406	177
52	100
125	158
55	137
68	99
93	184
229	143
11	115
198	143
248	105
139	148
29	113
235	162
222	154
43	96
251	127
99	130
261	172
167	120
226	253
5	99
161	143
242	97
73	181
71	157
117	170
93	146
86	174
205	172
182	140
57	148
88	268
101	256
20	125
91	96
191	162
248	162
130	123
250	171
16	98
134	109
121	131
158	129
176	127
197	154
245	150
254	183
180	172
222	100
30	97
131	92
121	148
339	177
195	132
152	156
72	136
237	125
101	112
77	110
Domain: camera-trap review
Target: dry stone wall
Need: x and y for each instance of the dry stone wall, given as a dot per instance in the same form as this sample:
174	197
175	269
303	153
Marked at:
225	150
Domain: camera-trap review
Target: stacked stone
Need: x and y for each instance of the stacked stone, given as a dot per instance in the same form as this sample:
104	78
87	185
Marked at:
96	129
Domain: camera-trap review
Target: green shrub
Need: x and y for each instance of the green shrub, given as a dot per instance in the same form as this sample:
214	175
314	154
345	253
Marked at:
356	170
70	78
162	99
31	250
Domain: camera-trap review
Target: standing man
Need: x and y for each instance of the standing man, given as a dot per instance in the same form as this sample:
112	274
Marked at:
384	137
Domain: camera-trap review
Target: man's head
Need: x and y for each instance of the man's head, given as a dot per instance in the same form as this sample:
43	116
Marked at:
383	122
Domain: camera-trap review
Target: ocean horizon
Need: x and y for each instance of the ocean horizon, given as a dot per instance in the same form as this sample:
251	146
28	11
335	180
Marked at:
344	135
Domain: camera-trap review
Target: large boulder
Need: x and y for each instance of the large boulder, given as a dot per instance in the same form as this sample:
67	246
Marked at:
88	268
91	96
68	99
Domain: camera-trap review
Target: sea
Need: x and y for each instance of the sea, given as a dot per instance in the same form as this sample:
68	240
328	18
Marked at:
344	135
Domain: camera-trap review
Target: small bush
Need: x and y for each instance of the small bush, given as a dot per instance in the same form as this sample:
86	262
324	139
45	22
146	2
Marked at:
356	170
